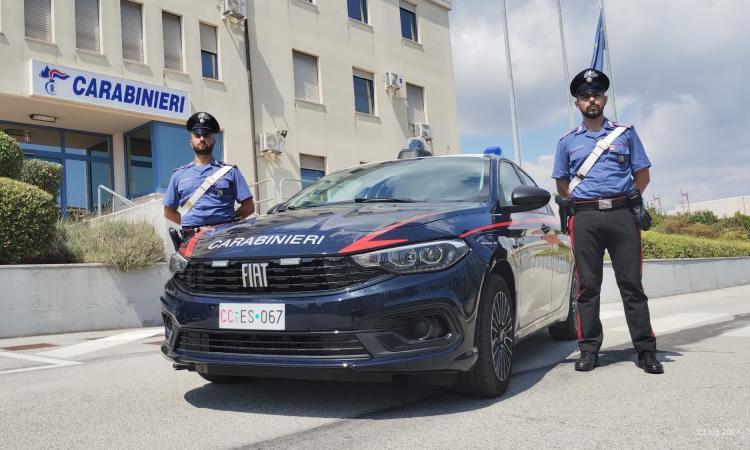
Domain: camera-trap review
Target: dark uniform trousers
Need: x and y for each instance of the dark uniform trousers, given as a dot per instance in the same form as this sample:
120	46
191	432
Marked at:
592	231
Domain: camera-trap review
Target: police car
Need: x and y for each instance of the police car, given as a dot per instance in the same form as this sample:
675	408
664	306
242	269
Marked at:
415	265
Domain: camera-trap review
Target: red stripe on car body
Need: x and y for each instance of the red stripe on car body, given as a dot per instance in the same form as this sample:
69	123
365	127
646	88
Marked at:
367	242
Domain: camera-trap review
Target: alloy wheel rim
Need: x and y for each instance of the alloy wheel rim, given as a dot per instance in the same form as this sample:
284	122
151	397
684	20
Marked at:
501	336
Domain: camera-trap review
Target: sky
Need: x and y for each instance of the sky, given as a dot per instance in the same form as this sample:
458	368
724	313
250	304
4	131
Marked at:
681	72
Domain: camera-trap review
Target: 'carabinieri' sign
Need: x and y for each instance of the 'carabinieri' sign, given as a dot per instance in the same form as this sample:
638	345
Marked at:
53	81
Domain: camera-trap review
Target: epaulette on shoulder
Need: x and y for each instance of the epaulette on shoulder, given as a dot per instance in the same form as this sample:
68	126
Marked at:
620	124
568	133
222	164
182	167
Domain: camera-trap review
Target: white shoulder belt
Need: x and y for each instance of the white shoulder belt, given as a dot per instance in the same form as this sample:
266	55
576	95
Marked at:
601	146
207	183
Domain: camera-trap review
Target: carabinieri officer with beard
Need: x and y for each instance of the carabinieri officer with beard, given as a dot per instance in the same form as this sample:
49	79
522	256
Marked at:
204	192
608	212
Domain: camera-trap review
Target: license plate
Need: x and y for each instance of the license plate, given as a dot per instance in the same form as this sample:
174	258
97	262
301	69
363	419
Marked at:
252	316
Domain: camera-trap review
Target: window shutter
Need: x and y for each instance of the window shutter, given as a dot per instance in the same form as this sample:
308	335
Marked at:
306	85
312	163
172	41
208	39
132	31
415	104
37	19
87	25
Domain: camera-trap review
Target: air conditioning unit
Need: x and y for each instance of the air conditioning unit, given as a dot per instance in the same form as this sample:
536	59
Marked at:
423	130
271	143
394	81
236	9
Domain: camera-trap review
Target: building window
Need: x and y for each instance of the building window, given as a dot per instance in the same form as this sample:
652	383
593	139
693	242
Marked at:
311	168
358	10
415	104
172	31
409	21
131	20
87	25
37	19
209	52
364	92
306	85
86	159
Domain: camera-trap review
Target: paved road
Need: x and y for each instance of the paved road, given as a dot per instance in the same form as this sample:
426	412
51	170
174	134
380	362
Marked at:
113	389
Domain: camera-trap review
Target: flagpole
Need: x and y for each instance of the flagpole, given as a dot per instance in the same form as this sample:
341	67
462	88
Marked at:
513	118
566	72
607	48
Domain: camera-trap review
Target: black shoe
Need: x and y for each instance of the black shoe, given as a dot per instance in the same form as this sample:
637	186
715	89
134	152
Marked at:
648	362
587	361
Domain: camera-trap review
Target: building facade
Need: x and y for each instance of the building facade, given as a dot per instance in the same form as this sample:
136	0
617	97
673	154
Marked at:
104	87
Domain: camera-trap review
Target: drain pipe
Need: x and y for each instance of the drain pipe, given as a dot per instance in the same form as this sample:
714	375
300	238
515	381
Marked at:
252	101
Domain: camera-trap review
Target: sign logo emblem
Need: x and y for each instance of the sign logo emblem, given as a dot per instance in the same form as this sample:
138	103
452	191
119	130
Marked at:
254	275
51	75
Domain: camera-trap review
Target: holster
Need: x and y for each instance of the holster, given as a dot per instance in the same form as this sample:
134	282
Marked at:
177	238
640	213
566	210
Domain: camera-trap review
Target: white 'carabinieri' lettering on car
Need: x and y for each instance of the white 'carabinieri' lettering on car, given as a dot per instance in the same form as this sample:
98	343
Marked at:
265	239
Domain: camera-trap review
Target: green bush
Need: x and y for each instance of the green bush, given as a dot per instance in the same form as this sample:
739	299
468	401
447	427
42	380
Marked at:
42	174
11	157
691	229
737	222
27	221
704	217
666	246
126	246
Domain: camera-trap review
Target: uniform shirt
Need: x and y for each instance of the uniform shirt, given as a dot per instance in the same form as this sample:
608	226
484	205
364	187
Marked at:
612	175
217	204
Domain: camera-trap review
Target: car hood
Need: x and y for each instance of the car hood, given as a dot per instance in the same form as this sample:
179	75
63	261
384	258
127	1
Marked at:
337	229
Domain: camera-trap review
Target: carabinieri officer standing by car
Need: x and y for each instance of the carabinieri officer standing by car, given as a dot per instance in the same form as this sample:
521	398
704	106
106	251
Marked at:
204	192
601	169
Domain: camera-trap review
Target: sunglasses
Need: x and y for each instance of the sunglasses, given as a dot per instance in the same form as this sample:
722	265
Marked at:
597	96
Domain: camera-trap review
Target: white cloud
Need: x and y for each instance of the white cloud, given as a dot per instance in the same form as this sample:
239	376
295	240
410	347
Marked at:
681	71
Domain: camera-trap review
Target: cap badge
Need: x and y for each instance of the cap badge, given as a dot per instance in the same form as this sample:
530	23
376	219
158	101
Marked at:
589	75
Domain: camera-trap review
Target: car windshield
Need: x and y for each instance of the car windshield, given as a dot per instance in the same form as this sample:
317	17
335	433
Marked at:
454	179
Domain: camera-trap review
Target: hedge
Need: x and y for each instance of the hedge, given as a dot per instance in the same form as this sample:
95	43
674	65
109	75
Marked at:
123	245
27	221
42	174
11	157
666	246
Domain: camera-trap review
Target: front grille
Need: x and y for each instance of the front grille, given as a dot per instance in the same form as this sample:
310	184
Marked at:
272	344
311	274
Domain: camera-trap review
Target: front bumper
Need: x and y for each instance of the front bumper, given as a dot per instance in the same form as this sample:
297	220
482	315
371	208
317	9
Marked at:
365	329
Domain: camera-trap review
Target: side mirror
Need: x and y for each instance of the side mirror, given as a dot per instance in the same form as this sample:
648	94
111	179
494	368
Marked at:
527	198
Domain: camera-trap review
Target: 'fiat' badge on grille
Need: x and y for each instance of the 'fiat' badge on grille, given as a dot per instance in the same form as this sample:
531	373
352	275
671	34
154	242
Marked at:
254	275
223	263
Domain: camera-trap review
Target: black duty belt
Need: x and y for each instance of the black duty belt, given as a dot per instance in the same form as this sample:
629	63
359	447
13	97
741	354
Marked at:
604	204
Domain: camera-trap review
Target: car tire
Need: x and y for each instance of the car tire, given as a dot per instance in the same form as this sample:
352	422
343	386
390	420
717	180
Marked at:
223	379
494	339
568	330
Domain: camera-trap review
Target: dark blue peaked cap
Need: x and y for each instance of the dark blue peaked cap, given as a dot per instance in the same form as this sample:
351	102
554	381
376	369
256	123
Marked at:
202	123
589	80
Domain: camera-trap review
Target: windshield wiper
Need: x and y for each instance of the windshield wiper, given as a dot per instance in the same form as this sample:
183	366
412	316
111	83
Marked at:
386	200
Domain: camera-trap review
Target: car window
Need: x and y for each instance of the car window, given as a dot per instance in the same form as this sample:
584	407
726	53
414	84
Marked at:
508	181
527	180
454	179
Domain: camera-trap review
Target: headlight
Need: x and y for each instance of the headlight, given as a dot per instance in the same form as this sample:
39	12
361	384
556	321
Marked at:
177	263
426	257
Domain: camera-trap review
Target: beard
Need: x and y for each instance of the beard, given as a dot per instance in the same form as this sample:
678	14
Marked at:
204	149
593	111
